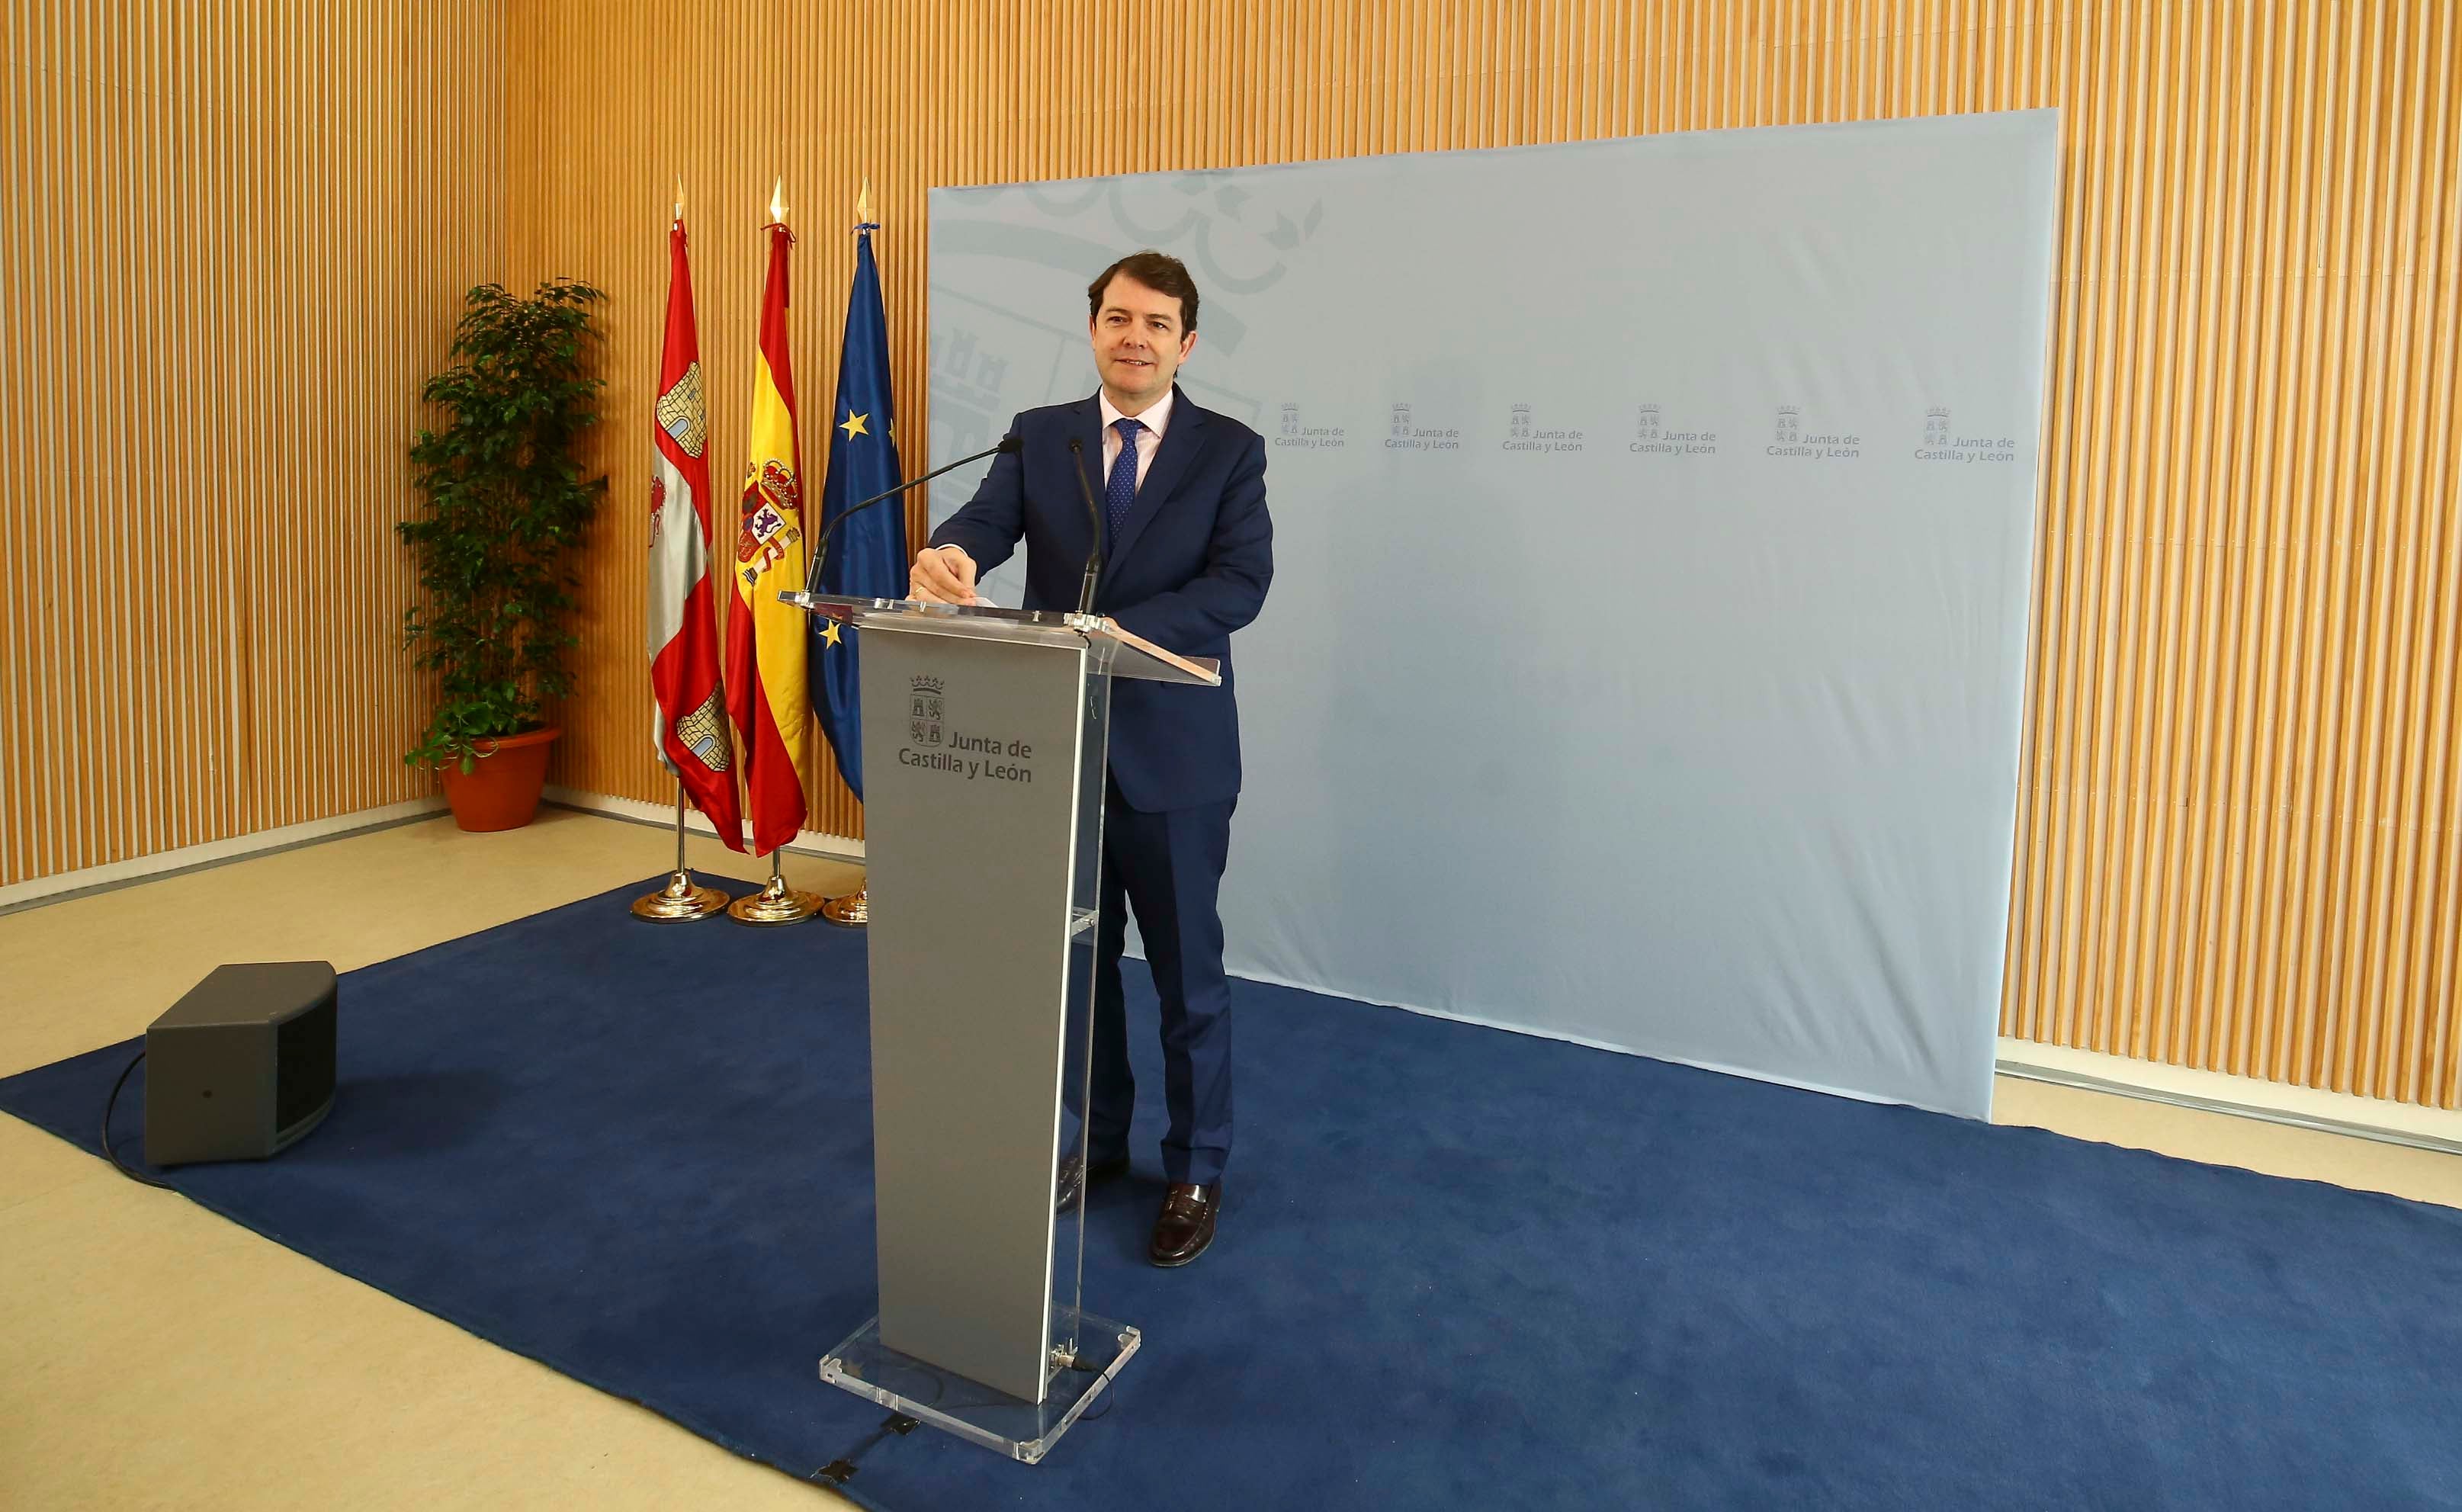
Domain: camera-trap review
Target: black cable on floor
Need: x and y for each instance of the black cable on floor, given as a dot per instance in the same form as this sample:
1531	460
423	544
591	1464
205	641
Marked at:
839	1472
110	1155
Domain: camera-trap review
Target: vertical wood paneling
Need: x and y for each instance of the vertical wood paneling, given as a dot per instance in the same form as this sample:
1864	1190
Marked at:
2237	842
2237	845
235	238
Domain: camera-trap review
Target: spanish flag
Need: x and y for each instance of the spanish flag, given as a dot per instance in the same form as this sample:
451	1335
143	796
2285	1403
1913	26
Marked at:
766	690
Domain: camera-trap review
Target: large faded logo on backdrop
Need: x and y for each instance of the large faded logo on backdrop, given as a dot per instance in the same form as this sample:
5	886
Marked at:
989	363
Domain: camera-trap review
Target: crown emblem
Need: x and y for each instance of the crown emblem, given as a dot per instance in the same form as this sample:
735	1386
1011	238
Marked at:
928	683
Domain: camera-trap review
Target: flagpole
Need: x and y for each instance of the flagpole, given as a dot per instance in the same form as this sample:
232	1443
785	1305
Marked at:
854	910
679	585
681	899
776	904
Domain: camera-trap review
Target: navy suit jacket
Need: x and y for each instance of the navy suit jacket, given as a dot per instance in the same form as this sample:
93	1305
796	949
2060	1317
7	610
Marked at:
1189	567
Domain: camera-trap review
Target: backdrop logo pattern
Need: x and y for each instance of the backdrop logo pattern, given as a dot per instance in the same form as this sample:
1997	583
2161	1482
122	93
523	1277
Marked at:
1651	437
1522	434
1797	439
1402	434
1941	443
1300	436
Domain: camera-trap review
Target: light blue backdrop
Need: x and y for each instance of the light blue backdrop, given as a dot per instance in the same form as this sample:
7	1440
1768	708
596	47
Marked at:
1645	661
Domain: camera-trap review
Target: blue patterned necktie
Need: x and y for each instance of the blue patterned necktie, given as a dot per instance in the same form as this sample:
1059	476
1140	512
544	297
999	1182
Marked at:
1120	491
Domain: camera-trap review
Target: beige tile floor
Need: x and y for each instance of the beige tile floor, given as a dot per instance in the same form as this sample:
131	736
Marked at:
152	1354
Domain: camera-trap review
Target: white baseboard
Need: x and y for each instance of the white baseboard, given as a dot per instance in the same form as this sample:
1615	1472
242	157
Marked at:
113	874
2377	1118
807	842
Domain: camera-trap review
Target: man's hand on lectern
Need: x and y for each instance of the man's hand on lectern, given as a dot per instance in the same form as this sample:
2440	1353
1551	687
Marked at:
943	575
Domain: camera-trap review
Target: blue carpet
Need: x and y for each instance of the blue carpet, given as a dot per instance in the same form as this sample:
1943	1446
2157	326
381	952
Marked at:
1457	1267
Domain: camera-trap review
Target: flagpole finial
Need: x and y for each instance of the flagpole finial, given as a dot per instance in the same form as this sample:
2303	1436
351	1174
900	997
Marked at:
679	199
863	203
778	202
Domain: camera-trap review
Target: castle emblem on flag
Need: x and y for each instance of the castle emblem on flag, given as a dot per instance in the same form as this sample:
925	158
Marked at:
703	733
682	412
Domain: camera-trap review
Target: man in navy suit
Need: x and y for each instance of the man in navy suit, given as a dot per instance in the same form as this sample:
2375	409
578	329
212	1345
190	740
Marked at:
1188	554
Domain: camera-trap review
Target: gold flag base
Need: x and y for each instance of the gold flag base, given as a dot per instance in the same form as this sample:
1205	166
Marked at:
679	901
776	904
854	910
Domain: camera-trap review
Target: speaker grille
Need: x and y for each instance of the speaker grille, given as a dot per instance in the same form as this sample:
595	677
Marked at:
303	1066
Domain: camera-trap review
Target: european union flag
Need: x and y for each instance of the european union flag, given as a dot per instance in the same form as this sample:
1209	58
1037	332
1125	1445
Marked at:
867	556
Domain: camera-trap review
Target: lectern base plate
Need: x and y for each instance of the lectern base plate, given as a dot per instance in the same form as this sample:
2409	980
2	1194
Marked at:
1015	1427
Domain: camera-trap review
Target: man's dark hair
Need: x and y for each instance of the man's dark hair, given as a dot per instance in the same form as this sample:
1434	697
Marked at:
1160	271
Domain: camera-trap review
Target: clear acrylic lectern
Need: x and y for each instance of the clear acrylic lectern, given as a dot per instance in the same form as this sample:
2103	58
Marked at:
985	736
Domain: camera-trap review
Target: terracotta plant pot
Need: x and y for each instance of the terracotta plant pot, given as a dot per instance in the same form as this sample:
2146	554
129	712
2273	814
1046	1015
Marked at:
501	791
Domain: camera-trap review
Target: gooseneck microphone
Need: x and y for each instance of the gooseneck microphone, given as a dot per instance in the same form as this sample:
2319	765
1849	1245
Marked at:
1009	445
1093	518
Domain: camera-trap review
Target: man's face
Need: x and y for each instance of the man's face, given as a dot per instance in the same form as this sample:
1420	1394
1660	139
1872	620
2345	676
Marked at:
1139	344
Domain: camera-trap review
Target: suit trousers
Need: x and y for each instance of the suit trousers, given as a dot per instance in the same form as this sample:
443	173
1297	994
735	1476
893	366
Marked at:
1168	867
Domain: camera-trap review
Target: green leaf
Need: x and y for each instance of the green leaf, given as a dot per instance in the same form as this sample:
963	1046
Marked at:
502	493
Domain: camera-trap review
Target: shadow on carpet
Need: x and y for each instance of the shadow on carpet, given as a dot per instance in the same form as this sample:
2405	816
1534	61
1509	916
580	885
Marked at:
1457	1267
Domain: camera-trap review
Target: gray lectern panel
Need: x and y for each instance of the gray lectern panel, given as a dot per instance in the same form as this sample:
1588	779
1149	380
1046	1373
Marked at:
970	762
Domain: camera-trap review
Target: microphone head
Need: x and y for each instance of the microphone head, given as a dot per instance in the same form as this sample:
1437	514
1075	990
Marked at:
1011	444
1076	445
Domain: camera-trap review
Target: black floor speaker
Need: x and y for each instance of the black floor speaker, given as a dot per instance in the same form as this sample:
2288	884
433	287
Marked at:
243	1066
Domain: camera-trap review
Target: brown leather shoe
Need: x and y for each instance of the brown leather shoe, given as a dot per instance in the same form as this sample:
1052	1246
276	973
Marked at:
1186	1224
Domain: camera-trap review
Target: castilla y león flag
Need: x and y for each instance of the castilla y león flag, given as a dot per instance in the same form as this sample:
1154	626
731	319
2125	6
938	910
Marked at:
691	736
765	638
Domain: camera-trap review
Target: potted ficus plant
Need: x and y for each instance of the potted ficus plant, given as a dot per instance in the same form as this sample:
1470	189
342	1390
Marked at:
505	503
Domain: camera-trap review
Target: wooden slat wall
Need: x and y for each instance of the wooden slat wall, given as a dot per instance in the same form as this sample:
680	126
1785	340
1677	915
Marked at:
233	238
2239	845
